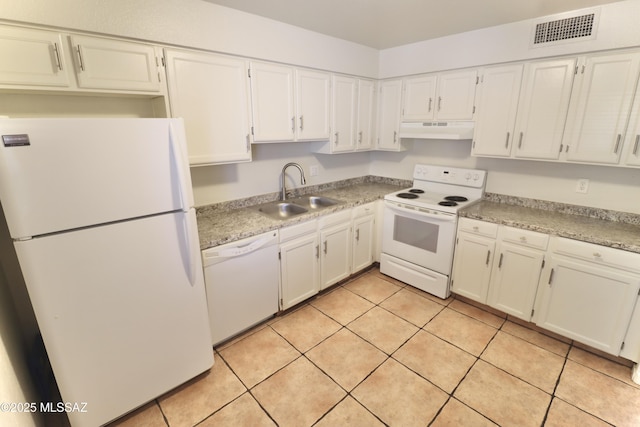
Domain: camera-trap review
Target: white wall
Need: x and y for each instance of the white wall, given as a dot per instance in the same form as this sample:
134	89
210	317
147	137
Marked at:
198	24
618	28
609	187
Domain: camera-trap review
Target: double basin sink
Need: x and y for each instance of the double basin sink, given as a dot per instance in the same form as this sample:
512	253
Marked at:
290	208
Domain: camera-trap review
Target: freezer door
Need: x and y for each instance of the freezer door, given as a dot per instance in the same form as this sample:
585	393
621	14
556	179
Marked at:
60	174
122	311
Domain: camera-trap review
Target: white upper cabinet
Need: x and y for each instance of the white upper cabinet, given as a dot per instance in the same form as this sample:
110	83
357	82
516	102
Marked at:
352	115
313	104
497	104
211	93
600	109
289	104
389	106
365	117
632	136
447	96
32	58
115	64
542	111
343	117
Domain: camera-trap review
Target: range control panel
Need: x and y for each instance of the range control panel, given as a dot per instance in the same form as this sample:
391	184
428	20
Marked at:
449	175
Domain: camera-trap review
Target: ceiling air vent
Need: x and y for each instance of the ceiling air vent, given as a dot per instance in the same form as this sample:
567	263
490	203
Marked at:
573	28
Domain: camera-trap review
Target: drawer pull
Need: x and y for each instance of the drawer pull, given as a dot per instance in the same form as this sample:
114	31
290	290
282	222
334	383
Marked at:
597	255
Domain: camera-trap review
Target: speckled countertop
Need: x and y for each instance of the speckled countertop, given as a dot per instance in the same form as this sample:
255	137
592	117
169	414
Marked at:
231	221
608	228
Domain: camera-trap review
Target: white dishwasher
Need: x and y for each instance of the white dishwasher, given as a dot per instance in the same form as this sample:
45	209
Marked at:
242	280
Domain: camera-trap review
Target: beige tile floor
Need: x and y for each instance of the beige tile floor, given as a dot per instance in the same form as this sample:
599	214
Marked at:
375	352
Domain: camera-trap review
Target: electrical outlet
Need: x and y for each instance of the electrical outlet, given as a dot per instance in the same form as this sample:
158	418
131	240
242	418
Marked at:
582	186
313	170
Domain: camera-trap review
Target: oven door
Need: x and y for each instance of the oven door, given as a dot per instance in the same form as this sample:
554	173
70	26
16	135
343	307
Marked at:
422	238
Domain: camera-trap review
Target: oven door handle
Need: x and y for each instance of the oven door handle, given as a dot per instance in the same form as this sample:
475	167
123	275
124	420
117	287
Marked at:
439	217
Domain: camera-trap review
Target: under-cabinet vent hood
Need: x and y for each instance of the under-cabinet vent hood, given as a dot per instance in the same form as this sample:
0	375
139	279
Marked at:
437	130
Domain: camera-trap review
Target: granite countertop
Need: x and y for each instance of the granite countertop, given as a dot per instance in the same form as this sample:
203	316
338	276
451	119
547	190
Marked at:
601	227
228	222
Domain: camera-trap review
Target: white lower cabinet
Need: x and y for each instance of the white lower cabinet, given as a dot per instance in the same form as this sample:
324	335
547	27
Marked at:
475	248
516	271
299	263
335	248
588	293
364	236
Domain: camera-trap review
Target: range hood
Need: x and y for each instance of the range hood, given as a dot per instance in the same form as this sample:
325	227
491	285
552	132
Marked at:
437	130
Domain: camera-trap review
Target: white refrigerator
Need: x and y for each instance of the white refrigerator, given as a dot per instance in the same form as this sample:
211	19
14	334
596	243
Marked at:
102	220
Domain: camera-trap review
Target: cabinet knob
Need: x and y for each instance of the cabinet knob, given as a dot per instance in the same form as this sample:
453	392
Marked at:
523	239
597	255
476	228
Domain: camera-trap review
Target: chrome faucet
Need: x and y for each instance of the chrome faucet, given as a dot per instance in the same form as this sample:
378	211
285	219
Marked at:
303	181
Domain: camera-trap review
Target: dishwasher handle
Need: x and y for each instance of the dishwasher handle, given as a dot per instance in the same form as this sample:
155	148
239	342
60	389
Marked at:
217	254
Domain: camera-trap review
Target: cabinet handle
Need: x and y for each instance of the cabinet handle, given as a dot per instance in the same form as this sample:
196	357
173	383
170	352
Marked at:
635	146
551	277
248	143
317	251
293	124
597	255
615	150
500	262
325	247
520	141
506	143
80	61
395	136
360	137
476	228
439	102
523	239
57	56
301	123
488	256
337	138
357	235
430	102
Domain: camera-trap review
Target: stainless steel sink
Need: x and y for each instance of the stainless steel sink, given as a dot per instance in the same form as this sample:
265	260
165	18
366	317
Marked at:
314	202
281	210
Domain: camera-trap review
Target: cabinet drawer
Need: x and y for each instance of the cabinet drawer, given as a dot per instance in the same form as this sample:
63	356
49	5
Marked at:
334	218
481	228
598	254
528	238
364	210
293	231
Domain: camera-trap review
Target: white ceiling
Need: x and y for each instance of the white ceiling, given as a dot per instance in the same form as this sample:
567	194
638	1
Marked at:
383	24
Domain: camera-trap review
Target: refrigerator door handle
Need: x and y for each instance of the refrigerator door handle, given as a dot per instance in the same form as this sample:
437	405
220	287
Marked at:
179	165
192	246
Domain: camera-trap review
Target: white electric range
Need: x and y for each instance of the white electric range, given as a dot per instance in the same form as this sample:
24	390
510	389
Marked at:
419	225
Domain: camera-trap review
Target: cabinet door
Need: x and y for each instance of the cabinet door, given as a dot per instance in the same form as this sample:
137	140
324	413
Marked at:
456	95
542	111
298	270
498	94
363	240
472	266
390	103
587	302
114	64
335	262
603	95
419	98
210	92
365	114
514	281
272	102
31	57
344	104
632	136
313	104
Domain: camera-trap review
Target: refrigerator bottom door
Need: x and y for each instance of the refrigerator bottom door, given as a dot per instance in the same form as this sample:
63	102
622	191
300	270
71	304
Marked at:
121	315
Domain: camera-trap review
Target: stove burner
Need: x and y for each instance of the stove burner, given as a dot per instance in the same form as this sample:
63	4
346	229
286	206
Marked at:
407	195
416	190
448	203
455	199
